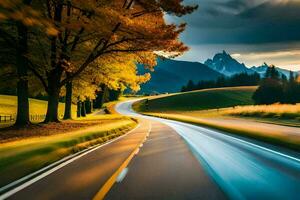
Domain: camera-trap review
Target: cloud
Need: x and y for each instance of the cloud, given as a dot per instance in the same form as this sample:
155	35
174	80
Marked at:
285	55
284	59
243	21
256	27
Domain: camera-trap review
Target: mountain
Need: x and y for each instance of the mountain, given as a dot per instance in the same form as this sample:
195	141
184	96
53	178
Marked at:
170	75
225	64
261	70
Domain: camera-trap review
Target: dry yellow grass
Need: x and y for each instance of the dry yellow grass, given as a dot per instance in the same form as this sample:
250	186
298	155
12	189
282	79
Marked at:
8	106
39	130
284	111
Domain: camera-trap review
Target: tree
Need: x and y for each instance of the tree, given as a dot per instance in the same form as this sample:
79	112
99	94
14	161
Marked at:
108	72
242	79
99	28
272	73
291	89
190	86
20	14
270	89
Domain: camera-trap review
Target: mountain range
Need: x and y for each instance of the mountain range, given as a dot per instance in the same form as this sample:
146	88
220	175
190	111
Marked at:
261	70
170	75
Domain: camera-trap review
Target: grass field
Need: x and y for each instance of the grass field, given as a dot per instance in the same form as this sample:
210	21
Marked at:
8	106
200	100
21	157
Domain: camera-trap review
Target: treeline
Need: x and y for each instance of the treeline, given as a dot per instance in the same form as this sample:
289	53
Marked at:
275	88
69	49
103	96
242	79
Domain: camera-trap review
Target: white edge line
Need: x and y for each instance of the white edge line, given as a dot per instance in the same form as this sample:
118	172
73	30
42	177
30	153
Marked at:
237	139
37	178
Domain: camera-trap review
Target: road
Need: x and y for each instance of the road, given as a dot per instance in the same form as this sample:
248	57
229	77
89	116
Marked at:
243	168
165	159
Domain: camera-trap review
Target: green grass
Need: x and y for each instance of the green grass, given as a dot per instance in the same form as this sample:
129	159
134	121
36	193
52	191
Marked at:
8	106
200	100
21	157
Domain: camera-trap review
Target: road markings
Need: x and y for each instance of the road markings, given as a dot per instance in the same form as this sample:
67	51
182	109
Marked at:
237	139
50	171
122	175
111	181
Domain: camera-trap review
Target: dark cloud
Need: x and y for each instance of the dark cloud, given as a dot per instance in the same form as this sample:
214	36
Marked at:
244	22
235	4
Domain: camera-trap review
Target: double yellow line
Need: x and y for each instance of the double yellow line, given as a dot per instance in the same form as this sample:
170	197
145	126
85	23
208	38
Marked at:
110	182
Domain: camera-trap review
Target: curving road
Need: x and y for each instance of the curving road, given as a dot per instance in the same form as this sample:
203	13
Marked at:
242	168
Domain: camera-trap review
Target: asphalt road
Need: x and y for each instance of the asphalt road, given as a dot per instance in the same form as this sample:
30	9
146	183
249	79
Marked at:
83	178
165	168
172	160
243	168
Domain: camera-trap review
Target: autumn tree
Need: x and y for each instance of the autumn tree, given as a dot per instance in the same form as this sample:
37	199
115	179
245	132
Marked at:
16	17
94	29
114	73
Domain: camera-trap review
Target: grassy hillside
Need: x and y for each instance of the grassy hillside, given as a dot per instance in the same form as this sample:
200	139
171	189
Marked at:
8	106
200	100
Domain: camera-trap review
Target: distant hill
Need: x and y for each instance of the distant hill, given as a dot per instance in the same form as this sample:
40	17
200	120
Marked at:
225	64
170	75
201	100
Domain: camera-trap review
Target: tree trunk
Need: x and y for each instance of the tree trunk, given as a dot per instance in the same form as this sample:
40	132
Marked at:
52	109
78	108
22	85
105	96
54	78
68	102
88	106
92	105
83	112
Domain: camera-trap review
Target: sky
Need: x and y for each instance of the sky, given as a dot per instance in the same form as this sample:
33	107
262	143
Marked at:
252	31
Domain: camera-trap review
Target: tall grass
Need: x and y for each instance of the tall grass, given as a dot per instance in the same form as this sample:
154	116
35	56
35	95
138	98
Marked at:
280	111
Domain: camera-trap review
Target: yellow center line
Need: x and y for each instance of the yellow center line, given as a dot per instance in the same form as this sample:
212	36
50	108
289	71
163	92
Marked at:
110	182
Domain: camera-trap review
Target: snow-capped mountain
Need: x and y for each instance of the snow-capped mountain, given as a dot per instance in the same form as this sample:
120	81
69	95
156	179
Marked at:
225	64
261	70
